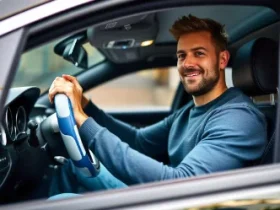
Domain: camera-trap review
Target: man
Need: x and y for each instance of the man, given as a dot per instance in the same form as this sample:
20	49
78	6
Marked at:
220	130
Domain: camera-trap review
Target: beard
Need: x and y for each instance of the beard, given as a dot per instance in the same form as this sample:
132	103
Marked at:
205	85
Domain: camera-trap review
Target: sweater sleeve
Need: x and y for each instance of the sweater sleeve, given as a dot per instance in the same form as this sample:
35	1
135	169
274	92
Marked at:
151	141
232	138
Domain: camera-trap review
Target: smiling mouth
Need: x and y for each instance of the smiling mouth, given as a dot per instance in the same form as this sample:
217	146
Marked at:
192	74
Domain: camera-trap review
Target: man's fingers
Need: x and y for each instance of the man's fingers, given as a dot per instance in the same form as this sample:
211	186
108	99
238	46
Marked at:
71	79
60	85
65	84
59	89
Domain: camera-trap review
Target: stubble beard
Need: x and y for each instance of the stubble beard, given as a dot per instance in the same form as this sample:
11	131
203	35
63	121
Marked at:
205	85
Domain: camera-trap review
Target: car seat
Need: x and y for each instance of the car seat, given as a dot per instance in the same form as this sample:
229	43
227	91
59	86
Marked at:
255	72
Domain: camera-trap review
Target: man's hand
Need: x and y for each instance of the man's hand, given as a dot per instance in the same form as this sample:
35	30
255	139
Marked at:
69	86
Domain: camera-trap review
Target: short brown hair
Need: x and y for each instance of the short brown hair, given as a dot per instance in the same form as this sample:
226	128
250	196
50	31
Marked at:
191	23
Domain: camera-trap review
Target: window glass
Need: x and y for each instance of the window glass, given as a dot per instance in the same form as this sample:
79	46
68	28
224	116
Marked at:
41	65
148	89
228	75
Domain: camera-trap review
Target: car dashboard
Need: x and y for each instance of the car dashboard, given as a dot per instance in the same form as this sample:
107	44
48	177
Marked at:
22	160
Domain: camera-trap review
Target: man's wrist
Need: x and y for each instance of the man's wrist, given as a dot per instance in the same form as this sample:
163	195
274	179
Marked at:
80	119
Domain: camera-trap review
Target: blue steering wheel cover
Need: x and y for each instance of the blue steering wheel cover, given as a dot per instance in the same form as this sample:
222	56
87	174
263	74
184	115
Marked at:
65	123
66	126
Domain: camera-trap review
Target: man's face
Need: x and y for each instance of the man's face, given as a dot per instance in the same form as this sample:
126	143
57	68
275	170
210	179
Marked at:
198	62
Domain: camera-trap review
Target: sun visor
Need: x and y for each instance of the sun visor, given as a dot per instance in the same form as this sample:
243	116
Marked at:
121	39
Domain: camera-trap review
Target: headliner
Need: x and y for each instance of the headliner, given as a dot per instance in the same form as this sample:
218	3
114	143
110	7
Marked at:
238	20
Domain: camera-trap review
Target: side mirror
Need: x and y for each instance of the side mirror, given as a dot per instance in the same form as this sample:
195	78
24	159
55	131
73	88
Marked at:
71	49
75	53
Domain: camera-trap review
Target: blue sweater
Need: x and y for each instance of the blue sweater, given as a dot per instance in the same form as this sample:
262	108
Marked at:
226	133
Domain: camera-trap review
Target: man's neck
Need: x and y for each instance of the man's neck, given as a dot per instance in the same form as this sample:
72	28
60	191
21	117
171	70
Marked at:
209	96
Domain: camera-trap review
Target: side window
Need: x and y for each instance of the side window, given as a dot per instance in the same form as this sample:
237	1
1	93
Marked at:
151	89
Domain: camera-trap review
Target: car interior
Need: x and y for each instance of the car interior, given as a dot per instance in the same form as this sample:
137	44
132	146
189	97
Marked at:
129	43
254	72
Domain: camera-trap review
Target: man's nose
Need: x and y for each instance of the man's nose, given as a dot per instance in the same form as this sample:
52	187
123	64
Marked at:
189	62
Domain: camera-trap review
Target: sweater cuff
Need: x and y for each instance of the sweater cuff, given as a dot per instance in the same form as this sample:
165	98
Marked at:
88	130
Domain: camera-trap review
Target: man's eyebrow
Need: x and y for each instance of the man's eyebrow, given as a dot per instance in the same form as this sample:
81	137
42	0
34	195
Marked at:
193	49
180	51
199	48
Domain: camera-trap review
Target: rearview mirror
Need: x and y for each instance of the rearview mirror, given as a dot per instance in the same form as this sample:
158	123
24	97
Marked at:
75	53
71	49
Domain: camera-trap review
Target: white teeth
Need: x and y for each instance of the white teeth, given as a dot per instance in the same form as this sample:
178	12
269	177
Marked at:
192	75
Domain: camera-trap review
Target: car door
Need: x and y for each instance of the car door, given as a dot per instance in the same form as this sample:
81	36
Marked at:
257	182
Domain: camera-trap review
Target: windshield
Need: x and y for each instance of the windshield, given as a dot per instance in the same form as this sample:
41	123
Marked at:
40	66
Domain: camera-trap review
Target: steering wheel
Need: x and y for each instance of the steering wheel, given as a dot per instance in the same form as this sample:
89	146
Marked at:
84	161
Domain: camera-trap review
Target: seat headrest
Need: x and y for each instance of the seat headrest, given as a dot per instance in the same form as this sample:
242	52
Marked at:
255	67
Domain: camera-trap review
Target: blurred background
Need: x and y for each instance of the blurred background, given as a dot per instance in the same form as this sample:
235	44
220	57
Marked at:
147	89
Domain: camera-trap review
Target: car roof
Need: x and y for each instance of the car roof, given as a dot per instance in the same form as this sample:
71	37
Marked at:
14	15
9	8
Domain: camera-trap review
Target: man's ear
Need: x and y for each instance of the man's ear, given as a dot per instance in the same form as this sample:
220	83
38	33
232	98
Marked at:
224	58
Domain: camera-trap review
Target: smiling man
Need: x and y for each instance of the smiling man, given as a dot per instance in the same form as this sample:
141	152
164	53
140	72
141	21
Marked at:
202	58
219	130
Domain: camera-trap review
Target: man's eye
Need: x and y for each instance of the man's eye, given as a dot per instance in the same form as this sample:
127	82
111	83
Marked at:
198	53
181	56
